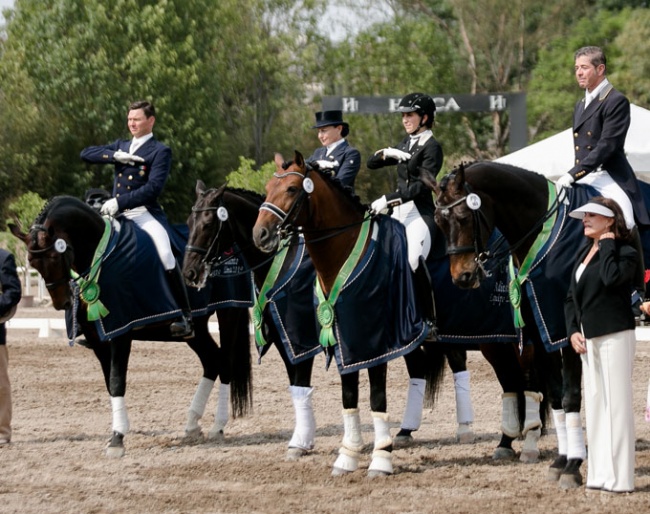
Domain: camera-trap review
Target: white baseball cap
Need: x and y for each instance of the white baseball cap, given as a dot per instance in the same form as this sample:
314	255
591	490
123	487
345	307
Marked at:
592	208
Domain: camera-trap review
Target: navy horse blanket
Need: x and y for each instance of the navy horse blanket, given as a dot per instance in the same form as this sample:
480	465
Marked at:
377	318
134	288
290	306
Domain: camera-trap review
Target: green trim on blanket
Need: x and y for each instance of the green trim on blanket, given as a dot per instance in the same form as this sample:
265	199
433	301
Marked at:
518	277
325	311
89	290
260	303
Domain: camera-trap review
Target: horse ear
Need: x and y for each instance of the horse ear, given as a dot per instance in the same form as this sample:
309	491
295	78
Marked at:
200	187
428	178
17	232
299	160
279	161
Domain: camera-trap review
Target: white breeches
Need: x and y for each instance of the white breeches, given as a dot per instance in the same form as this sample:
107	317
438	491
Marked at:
143	218
602	182
418	237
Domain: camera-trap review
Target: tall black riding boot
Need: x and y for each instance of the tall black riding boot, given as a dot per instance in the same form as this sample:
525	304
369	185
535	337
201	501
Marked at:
426	300
182	328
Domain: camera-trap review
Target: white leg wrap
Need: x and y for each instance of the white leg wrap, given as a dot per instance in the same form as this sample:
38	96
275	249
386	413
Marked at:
303	435
559	420
120	417
346	462
464	409
414	404
532	420
221	414
352	439
509	415
197	407
575	437
382	457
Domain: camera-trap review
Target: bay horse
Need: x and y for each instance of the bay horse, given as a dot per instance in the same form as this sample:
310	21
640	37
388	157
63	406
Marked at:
342	246
541	240
63	245
221	223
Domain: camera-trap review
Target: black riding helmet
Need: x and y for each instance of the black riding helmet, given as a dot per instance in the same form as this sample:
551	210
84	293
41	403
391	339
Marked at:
420	103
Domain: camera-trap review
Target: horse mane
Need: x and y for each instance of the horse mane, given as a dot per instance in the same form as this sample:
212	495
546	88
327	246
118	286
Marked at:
55	202
345	190
251	195
509	168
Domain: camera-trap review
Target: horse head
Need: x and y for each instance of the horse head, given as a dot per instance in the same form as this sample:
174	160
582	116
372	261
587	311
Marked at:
205	224
285	195
60	241
464	224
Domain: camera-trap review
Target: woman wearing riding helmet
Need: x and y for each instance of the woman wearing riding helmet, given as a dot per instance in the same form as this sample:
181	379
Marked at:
412	201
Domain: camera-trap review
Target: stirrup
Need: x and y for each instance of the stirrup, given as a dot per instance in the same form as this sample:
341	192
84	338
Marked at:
182	328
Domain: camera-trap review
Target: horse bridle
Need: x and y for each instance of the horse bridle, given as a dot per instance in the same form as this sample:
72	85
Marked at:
286	226
210	254
61	247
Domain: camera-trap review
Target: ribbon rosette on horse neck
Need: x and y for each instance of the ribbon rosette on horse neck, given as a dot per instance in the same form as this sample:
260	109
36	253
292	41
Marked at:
89	290
325	311
518	277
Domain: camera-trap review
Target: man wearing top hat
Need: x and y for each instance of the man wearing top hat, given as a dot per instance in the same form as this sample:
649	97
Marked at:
336	155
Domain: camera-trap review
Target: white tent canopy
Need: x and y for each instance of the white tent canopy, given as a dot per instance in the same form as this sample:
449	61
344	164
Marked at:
554	156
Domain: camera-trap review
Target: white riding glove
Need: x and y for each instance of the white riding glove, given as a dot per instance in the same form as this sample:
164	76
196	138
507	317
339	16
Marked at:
379	205
394	153
326	165
127	158
110	208
564	181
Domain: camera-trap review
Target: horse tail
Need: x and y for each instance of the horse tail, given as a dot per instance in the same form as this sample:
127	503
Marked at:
434	357
236	350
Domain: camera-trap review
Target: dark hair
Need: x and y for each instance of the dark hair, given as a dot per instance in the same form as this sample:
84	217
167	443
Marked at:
147	107
595	54
619	227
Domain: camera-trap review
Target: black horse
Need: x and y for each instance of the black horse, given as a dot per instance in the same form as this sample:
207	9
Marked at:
540	239
75	250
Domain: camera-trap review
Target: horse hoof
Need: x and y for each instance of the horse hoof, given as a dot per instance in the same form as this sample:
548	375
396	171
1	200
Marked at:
216	436
115	452
503	454
294	454
403	438
570	480
374	473
529	456
194	433
464	434
339	472
555	470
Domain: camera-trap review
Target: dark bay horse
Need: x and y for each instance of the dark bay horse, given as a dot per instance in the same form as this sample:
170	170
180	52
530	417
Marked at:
221	223
64	244
471	202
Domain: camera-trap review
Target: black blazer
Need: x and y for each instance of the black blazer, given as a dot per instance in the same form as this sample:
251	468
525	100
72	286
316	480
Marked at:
11	290
599	133
140	184
600	302
349	160
409	186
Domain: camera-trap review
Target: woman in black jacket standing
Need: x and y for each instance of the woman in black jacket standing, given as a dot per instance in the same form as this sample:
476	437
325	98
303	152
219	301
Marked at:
601	328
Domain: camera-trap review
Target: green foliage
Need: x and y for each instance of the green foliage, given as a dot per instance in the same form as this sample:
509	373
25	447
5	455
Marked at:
247	177
25	209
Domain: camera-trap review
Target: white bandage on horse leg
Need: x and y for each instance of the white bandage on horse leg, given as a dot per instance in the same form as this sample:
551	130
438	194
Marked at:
559	420
464	409
414	402
510	415
199	402
575	437
352	444
303	434
532	421
382	457
221	415
120	417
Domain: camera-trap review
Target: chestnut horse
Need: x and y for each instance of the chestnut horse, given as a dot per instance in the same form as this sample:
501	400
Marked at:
62	246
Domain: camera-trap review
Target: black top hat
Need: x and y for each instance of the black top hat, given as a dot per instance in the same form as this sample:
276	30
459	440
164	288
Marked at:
329	118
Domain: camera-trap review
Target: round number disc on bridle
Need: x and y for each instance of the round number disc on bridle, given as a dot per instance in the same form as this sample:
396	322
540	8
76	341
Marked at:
222	213
308	185
473	201
60	245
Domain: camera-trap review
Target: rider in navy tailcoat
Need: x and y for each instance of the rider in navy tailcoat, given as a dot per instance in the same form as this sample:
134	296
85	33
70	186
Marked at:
336	154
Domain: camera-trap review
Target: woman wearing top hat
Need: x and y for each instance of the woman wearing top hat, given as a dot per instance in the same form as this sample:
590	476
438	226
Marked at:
336	154
600	325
